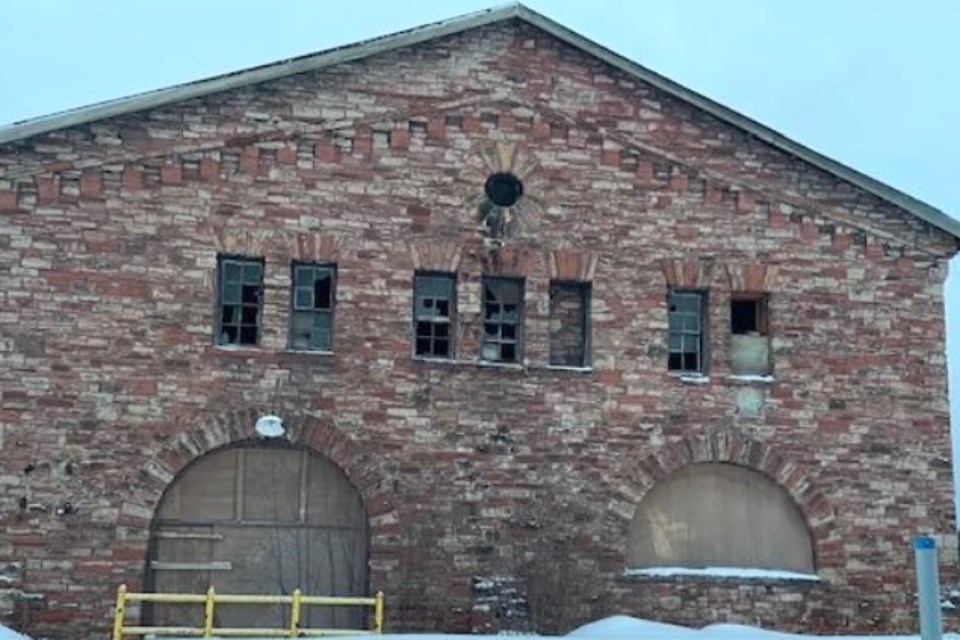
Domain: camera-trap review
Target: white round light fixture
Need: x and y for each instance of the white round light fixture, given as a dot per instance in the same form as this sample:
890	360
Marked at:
270	427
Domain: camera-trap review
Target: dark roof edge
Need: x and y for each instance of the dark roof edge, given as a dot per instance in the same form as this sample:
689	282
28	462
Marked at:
366	48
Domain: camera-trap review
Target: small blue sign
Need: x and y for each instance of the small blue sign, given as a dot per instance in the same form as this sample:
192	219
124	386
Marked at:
924	542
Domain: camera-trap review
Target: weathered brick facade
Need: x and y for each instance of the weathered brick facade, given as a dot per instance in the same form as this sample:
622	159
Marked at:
110	383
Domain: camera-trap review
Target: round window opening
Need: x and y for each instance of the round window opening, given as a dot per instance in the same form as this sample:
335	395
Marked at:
503	189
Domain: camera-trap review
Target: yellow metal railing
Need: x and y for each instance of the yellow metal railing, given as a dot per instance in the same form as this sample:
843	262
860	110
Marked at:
211	599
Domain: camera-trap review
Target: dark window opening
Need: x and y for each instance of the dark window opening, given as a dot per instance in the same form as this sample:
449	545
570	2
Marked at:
240	292
503	189
569	324
313	301
502	319
750	345
686	315
748	315
433	314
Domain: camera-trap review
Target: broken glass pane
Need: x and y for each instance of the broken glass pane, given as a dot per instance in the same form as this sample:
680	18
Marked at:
228	335
249	315
248	335
510	293
323	289
250	294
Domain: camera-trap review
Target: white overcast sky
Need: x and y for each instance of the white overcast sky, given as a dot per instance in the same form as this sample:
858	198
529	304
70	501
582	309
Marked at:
872	83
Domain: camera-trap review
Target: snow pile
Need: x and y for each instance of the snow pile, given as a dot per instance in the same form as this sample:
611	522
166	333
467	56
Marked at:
6	633
627	628
616	628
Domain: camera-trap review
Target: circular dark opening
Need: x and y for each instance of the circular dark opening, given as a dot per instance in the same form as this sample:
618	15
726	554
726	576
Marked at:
503	189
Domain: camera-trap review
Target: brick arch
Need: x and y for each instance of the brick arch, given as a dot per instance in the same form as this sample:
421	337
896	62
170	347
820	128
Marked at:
362	468
734	448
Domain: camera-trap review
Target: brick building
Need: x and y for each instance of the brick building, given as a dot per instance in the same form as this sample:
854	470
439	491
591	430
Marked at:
550	336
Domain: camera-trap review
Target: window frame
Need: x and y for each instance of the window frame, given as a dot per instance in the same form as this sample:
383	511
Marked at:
518	325
762	302
585	287
294	310
223	259
703	351
451	318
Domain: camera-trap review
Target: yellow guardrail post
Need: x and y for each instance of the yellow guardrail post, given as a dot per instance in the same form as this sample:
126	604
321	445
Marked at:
208	613
295	614
378	613
120	612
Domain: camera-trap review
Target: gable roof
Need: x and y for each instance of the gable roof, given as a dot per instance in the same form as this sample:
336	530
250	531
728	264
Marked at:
374	46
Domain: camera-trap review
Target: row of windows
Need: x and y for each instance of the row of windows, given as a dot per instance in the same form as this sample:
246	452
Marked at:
687	340
313	298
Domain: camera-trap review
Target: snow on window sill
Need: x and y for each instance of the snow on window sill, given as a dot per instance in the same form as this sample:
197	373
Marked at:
740	573
751	378
563	367
308	352
238	349
691	378
487	364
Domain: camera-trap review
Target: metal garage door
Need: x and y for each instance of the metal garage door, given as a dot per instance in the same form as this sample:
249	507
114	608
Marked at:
259	519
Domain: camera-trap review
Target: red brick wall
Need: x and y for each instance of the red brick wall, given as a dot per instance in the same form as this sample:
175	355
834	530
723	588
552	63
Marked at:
108	241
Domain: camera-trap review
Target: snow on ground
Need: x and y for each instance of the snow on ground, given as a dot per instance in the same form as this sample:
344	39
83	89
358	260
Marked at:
6	633
618	628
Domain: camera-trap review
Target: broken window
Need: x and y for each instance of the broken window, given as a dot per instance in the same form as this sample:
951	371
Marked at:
686	318
750	345
240	301
502	319
312	300
433	314
569	323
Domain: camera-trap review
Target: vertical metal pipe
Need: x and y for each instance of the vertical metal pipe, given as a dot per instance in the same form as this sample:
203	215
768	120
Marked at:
928	586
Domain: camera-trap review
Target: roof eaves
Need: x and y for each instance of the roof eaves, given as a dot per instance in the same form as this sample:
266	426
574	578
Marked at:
925	212
255	75
416	35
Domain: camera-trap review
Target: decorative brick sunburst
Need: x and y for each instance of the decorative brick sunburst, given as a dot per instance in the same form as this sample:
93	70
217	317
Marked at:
505	186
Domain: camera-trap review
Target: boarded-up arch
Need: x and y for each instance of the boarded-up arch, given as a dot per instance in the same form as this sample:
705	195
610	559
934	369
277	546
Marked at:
719	515
259	518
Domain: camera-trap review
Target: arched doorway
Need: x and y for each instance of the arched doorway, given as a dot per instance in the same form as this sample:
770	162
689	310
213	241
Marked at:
720	515
259	518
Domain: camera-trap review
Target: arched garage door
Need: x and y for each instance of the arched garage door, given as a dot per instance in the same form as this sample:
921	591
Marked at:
259	519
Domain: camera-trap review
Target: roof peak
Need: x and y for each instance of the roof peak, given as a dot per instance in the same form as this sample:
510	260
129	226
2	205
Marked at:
451	26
